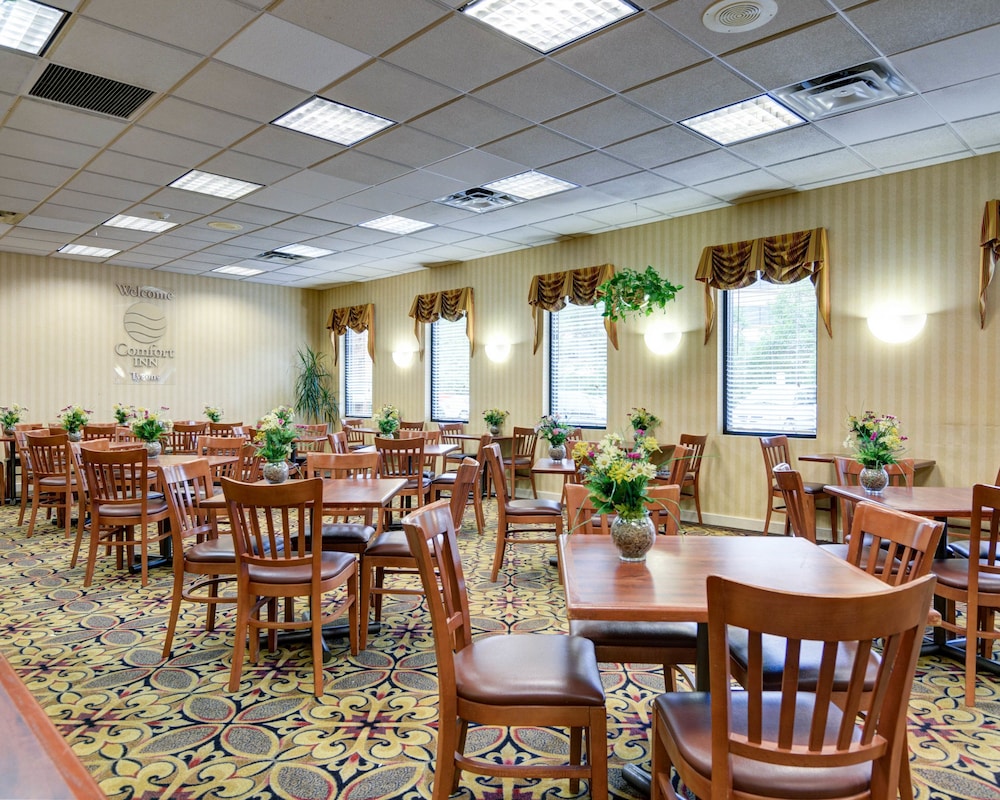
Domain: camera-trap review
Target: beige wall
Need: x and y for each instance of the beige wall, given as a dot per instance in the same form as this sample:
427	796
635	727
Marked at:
912	236
235	342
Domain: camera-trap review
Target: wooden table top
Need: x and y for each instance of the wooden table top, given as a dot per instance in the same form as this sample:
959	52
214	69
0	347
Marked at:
670	585
434	450
924	501
547	466
340	493
173	459
830	458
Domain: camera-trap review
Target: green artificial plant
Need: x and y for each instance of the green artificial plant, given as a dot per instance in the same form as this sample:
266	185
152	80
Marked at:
630	292
314	399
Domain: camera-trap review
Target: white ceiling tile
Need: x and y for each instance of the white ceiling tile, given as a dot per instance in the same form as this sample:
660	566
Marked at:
981	132
287	53
43	148
541	92
75	199
952	61
821	167
406	145
288	147
896	25
172	23
660	147
637	50
197	122
229	89
280	200
683	201
352	165
248	168
476	167
911	147
425	185
632	187
535	147
133	168
350	21
967	100
390	92
35	116
589	168
451	53
805	140
241	212
54	224
159	146
108	186
748	185
87	216
319	184
687	93
112	53
33	171
469	122
381	200
606	122
705	167
887	119
194	202
621	214
14	68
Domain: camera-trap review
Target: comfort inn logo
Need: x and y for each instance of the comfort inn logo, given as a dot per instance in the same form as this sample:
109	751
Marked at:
145	324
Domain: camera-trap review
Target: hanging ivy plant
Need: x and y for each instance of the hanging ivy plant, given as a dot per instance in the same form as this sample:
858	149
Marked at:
630	292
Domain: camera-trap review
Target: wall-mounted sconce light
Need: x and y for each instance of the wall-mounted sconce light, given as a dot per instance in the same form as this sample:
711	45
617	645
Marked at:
660	340
402	358
498	351
896	328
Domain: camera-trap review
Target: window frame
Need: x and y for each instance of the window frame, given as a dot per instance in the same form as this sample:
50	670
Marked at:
553	358
460	344
352	350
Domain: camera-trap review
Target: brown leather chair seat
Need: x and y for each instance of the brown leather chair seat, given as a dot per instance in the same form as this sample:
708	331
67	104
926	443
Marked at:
213	551
954	572
331	564
155	506
615	633
391	544
540	506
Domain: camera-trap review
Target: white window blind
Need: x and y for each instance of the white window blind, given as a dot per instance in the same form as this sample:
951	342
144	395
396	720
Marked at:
357	375
449	371
578	366
769	361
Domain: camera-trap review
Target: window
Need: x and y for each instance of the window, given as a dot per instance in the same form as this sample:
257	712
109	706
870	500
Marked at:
357	375
449	371
769	359
578	366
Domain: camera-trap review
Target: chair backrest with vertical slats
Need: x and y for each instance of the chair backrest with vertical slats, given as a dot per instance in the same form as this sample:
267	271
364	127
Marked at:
793	491
896	546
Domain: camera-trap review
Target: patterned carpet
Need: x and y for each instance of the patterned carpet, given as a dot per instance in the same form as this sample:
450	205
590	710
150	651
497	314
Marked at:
148	728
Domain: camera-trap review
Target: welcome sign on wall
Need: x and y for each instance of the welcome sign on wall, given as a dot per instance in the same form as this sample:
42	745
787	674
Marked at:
144	353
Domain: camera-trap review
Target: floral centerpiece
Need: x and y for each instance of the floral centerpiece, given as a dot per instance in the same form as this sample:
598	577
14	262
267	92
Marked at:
642	421
274	437
495	418
11	415
555	432
387	419
617	479
73	418
875	440
123	412
149	426
213	413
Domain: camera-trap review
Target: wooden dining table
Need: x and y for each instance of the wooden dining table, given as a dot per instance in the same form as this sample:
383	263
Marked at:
669	586
831	458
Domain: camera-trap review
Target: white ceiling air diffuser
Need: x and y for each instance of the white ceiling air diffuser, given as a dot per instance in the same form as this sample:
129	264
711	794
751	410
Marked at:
738	16
847	90
479	200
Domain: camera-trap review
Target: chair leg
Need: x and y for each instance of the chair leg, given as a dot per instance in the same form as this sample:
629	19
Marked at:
575	755
477	505
770	508
316	609
175	611
365	604
498	555
905	779
446	775
240	642
597	753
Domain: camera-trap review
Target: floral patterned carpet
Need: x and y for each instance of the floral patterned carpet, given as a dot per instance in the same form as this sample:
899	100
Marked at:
149	728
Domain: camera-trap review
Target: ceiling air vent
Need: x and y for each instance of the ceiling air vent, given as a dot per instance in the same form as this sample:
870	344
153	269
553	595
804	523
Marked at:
847	90
279	258
738	16
479	200
92	92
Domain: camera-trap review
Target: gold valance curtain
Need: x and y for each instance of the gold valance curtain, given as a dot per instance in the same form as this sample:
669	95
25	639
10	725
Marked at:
578	286
990	256
786	258
359	319
449	305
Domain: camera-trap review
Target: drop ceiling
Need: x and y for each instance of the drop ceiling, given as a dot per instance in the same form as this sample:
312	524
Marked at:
471	106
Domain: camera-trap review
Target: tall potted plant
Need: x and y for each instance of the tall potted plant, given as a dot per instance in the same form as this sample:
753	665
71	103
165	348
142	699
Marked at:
314	397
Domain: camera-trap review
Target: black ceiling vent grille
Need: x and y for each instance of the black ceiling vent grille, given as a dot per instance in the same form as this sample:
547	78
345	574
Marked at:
92	92
280	258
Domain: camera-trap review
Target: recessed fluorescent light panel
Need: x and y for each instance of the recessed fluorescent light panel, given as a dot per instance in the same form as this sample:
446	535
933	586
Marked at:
751	118
530	185
215	185
245	272
332	121
303	250
140	224
394	224
83	250
548	24
28	26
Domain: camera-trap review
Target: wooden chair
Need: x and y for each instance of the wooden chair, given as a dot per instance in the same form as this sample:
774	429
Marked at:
53	484
775	451
411	426
122	507
231	446
339	532
183	438
445	482
691	487
675	466
83	496
508	680
98	431
450	431
27	478
197	548
513	515
250	463
521	459
975	582
848	469
273	564
404	458
225	428
666	643
355	437
664	508
338	442
792	741
389	555
123	433
801	513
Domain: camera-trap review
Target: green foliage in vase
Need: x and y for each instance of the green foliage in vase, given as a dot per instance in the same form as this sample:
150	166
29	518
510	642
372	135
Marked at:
632	293
314	397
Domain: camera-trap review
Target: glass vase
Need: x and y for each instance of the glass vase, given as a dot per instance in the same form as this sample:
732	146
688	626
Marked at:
74	436
153	449
873	479
557	452
275	471
494	430
633	537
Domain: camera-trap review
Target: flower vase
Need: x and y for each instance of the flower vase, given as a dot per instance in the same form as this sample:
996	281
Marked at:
873	479
557	452
633	537
75	436
153	449
275	471
8	430
494	430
